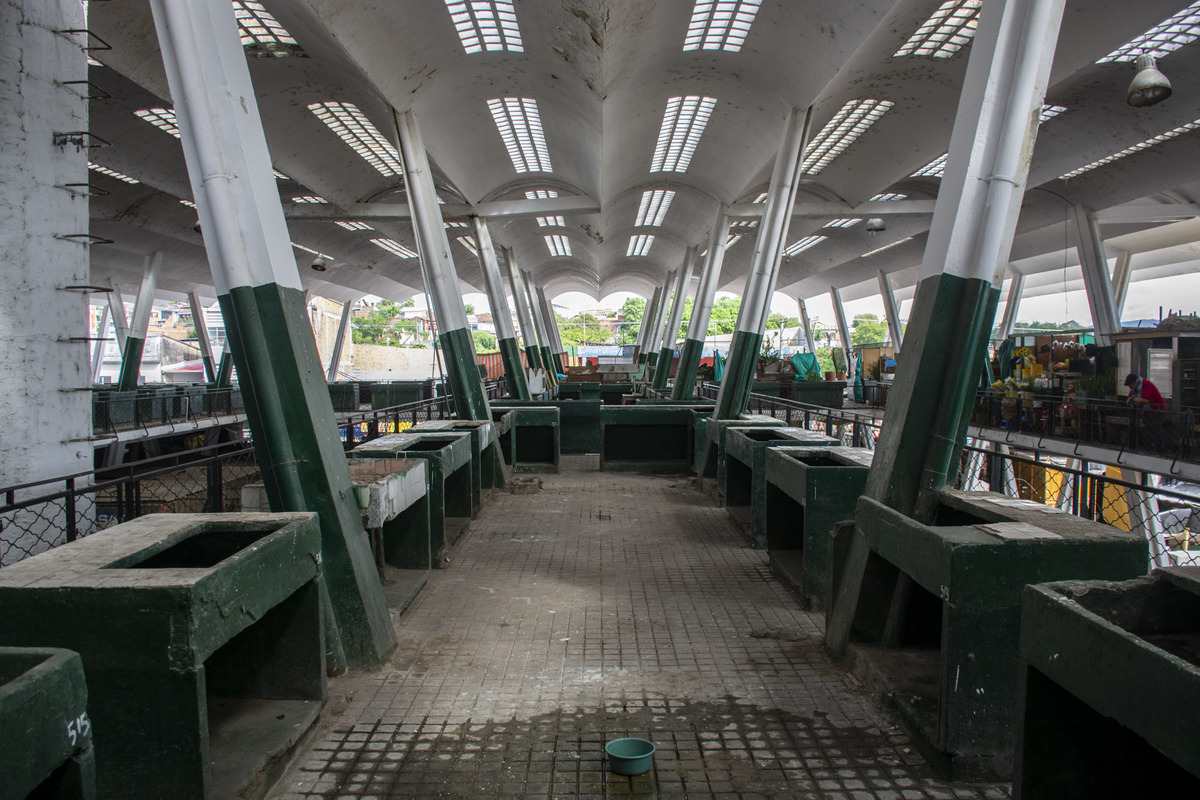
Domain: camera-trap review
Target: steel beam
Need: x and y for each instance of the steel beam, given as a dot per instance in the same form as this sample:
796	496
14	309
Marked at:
506	337
891	310
1094	264
262	300
433	246
201	327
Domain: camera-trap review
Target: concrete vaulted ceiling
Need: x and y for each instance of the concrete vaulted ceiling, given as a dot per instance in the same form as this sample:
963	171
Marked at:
601	72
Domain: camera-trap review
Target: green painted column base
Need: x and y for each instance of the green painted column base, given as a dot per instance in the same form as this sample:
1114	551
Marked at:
302	459
931	400
558	363
685	376
131	363
513	371
662	367
210	371
225	369
470	399
738	380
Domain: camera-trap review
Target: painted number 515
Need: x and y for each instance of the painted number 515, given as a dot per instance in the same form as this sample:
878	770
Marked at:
80	727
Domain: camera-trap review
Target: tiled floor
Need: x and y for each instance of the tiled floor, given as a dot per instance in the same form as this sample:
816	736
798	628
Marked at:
608	605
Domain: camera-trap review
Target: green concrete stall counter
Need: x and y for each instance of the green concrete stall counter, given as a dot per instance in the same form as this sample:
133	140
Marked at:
447	456
45	732
646	438
345	396
938	608
201	638
744	480
395	515
532	443
1110	687
806	490
485	458
709	460
578	420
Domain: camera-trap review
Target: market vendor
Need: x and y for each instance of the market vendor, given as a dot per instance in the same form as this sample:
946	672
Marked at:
1143	392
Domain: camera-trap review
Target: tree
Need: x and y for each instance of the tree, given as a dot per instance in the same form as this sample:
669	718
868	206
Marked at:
583	328
484	342
470	309
631	313
382	325
724	316
867	329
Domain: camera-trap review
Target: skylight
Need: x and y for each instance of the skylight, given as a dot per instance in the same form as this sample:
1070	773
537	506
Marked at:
948	30
682	126
730	242
279	176
394	247
878	250
800	245
546	222
161	118
853	120
309	199
260	32
469	243
1137	148
720	25
188	203
843	222
489	25
1166	37
888	197
744	222
353	225
520	125
762	198
112	173
654	207
640	245
934	169
352	127
455	224
558	245
1049	112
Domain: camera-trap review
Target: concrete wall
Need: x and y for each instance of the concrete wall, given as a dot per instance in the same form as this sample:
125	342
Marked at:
46	419
380	363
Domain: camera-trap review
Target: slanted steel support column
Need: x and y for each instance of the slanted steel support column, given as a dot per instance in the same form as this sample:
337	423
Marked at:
1122	277
710	277
543	332
1094	264
524	314
1016	285
764	270
647	323
458	347
206	354
556	345
806	324
891	310
655	335
969	240
506	337
339	342
98	345
667	353
135	338
843	326
258	286
116	311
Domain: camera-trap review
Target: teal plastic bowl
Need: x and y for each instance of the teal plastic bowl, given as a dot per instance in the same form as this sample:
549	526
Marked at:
630	756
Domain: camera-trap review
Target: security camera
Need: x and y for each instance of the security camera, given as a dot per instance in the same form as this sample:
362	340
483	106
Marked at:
319	264
876	225
1149	86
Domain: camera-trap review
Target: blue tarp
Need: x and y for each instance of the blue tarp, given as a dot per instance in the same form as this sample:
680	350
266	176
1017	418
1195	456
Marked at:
806	364
718	366
858	378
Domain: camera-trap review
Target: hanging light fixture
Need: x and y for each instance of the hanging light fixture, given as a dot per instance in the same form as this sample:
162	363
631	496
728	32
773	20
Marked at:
1149	86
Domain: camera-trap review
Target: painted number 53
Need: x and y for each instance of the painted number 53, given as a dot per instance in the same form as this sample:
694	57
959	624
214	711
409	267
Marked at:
80	727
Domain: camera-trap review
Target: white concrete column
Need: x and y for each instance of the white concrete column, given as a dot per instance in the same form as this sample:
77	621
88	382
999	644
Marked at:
648	313
1143	519
201	326
1012	303
710	278
1094	263
654	337
891	310
843	326
116	311
682	284
44	361
806	324
1122	277
521	302
98	345
339	342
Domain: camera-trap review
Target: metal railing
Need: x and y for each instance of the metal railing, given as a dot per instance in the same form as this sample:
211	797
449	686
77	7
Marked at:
1108	423
40	515
145	408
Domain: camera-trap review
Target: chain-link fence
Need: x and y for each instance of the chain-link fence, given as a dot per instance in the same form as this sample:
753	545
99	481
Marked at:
36	517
